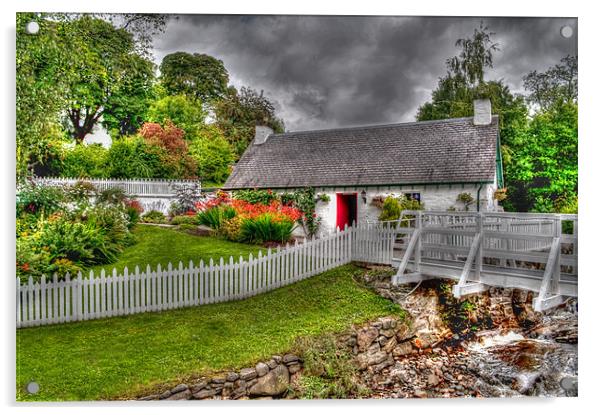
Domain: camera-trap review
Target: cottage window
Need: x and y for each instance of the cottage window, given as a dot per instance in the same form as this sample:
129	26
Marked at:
415	196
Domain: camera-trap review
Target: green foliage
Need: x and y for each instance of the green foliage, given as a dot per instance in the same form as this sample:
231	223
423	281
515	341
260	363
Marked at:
391	209
265	197
85	161
238	113
544	170
130	157
186	113
329	370
184	219
198	76
323	197
231	229
43	71
110	79
557	85
214	217
393	206
38	199
153	216
466	199
305	201
265	228
112	196
213	154
186	198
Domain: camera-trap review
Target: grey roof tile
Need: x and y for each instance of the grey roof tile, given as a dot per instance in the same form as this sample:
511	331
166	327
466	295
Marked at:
442	151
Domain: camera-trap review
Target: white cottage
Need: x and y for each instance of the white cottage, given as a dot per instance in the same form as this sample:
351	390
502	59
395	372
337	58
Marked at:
431	161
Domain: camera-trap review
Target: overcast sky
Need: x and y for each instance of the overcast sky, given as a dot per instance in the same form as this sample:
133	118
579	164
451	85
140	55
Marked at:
324	71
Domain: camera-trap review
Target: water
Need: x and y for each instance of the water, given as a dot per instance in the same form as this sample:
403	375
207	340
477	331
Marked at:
511	364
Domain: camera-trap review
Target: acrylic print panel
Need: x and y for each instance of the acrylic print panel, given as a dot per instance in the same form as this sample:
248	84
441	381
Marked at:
181	179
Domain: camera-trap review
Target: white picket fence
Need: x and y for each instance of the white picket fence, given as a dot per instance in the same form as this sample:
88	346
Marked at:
132	187
59	301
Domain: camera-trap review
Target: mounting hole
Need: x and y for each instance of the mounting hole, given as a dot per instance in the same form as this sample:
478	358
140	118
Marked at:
32	28
566	31
32	388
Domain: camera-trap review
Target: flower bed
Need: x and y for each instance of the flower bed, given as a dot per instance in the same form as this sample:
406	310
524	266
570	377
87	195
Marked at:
243	221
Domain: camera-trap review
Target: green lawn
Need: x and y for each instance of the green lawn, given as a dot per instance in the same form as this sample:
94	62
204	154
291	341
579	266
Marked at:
157	245
123	357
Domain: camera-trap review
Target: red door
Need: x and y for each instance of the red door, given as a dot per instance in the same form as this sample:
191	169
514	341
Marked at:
346	209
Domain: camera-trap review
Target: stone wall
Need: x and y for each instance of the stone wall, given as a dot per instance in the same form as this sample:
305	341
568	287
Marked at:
266	380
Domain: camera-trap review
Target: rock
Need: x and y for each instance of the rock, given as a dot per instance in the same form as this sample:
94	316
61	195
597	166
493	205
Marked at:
149	397
403	349
290	358
218	380
277	358
181	395
181	387
419	393
365	337
351	341
248	373
274	383
204	394
232	377
294	368
390	345
165	394
370	359
388	333
272	364
433	380
262	369
404	332
386	363
198	387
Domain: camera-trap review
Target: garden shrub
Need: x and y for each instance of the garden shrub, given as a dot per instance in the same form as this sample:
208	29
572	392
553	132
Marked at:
231	229
80	193
184	219
187	197
213	154
153	216
181	110
391	209
214	217
86	161
265	197
130	157
266	228
38	199
133	210
112	196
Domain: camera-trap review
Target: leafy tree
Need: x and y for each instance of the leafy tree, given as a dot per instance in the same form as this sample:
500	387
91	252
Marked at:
183	111
544	168
112	80
213	155
42	74
238	114
556	85
199	76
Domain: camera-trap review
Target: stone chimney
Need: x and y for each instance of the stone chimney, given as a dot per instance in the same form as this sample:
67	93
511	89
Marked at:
261	134
482	111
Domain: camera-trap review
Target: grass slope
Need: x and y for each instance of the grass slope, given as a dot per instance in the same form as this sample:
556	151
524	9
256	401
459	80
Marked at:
158	245
124	356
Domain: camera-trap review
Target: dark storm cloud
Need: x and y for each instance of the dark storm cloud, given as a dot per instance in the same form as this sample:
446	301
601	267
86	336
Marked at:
328	71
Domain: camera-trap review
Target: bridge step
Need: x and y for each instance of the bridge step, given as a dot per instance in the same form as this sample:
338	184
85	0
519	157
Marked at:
460	291
408	278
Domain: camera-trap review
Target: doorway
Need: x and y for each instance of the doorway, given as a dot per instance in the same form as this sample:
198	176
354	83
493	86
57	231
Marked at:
346	209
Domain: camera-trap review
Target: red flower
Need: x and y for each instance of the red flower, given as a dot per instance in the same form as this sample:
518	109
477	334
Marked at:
25	267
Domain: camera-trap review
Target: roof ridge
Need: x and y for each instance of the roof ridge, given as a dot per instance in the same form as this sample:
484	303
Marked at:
373	126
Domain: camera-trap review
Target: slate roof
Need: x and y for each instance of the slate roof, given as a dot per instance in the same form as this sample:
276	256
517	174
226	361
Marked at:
442	151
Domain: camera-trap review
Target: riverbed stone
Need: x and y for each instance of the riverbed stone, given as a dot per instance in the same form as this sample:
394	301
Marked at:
262	369
248	373
365	337
181	395
273	384
204	394
232	377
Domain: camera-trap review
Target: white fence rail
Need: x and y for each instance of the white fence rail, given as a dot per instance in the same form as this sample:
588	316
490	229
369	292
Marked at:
133	187
58	301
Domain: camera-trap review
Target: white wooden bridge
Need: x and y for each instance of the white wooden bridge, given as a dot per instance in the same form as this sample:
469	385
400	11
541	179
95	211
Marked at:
536	252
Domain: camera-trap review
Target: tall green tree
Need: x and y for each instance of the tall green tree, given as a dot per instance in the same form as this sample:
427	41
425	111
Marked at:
199	76
557	85
112	81
184	112
238	114
43	71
